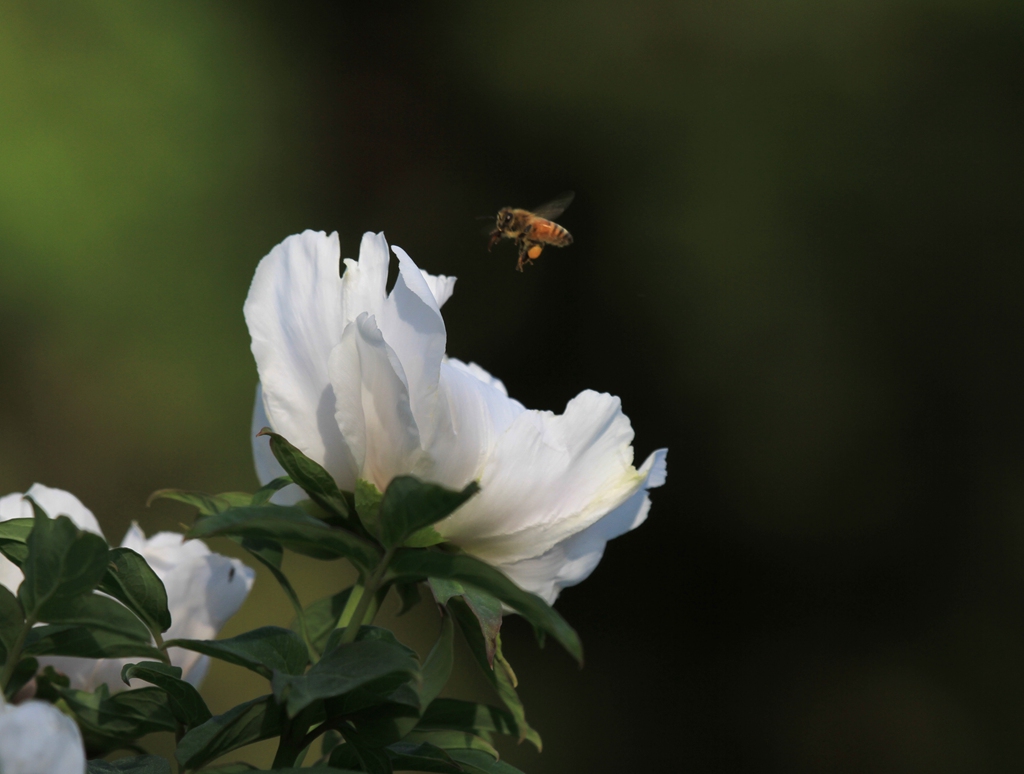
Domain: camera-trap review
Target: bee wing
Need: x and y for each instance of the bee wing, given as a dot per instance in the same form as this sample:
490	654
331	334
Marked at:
555	207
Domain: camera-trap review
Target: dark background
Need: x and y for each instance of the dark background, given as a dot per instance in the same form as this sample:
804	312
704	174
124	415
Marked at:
798	260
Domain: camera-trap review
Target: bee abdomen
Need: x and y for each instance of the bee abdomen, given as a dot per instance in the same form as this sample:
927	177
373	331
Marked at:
551	233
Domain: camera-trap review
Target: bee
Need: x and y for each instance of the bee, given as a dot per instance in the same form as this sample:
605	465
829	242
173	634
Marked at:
531	231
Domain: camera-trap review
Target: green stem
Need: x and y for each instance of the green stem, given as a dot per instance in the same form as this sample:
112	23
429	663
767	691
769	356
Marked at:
369	592
14	655
293	745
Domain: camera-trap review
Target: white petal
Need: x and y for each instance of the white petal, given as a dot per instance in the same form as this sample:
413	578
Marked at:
364	284
477	412
37	738
295	317
204	590
267	466
547	478
57	502
481	374
373	408
572	560
411	324
441	286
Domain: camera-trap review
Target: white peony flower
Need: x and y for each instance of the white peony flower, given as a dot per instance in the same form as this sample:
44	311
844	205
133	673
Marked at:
37	738
358	380
204	589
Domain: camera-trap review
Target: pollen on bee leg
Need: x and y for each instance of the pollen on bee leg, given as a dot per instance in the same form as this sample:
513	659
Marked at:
534	252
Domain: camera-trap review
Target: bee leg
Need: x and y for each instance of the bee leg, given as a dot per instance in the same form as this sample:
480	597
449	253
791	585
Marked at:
523	247
495	236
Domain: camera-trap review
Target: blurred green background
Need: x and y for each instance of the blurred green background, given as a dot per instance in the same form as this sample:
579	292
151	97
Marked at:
798	261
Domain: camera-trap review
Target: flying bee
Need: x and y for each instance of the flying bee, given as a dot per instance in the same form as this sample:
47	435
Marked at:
531	231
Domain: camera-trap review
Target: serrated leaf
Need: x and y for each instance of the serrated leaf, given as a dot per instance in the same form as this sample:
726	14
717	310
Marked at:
184	700
417	564
250	722
265	651
13	534
480	762
126	715
293	528
139	764
96	613
85	642
309	475
63	562
130	579
372	666
410	505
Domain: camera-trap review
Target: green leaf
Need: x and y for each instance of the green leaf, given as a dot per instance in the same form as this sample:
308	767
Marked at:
131	580
63	562
293	528
479	617
184	700
13	536
407	756
24	671
270	554
231	768
423	538
418	564
469	605
409	593
459	715
126	715
309	475
49	683
250	722
480	762
376	667
359	756
410	505
85	642
206	504
322	617
437	667
12	620
452	740
139	764
265	651
96	613
367	498
268	490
